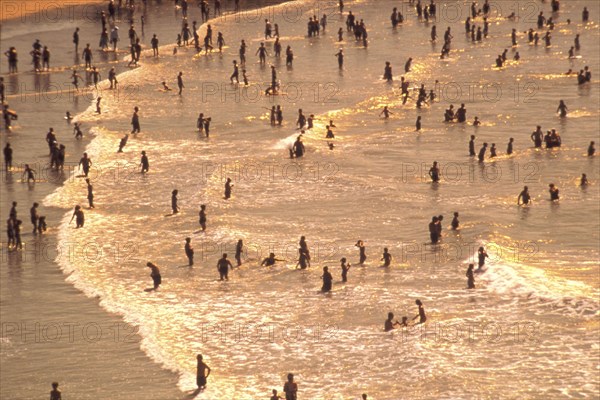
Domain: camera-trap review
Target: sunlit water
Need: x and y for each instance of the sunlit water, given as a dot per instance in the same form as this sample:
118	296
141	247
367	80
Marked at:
534	314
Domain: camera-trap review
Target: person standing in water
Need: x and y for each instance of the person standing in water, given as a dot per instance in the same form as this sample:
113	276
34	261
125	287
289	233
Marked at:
90	193
553	192
135	121
78	216
481	256
524	196
189	251
385	112
303	259
239	249
562	109
202	373
537	136
228	187
421	314
386	258
202	217
482	152
85	163
8	157
472	146
470	277
223	266
55	394
174	206
387	72
362	252
390	324
509	147
455	223
433	231
590	151
180	82
345	268
583	181
327	280
154	274
340	58
290	388
434	172
144	163
298	148
34	216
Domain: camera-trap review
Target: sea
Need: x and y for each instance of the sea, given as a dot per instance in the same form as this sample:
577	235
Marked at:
530	328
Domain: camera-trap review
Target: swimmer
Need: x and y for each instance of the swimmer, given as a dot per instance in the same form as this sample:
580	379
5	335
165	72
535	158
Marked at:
68	116
165	87
553	192
591	150
189	251
472	146
418	124
421	314
270	261
327	280
386	258
493	150
476	121
390	324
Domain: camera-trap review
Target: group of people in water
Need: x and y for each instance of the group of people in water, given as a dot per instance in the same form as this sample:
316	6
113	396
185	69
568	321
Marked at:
41	62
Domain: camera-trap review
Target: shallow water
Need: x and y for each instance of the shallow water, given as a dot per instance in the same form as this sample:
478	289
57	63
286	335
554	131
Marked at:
534	312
